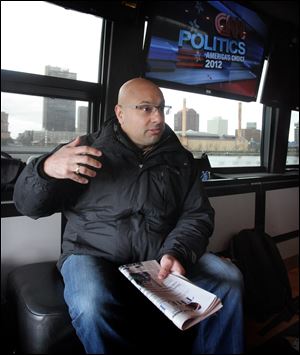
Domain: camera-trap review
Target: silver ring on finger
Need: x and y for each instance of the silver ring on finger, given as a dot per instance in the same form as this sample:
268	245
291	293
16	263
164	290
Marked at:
77	171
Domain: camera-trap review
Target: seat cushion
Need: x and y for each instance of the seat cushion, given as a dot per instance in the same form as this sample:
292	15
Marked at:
43	324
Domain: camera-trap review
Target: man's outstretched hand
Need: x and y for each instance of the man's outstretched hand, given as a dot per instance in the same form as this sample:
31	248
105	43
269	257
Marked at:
73	161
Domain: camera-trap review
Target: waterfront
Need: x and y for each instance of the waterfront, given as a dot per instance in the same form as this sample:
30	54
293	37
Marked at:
216	161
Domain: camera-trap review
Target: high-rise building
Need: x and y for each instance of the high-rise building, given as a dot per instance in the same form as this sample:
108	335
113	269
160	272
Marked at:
217	125
59	72
5	134
192	120
59	114
82	118
296	132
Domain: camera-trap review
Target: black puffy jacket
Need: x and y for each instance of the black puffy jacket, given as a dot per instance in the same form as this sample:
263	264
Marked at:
138	207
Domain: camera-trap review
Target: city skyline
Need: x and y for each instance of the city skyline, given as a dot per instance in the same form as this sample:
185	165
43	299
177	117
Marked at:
82	112
170	116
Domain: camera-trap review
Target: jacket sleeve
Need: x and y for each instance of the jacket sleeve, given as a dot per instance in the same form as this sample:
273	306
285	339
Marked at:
36	195
188	241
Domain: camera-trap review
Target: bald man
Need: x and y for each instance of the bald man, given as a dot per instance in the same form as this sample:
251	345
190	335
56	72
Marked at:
132	192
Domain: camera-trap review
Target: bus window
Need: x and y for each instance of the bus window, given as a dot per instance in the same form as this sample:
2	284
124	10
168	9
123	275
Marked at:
33	125
293	144
229	131
53	55
36	34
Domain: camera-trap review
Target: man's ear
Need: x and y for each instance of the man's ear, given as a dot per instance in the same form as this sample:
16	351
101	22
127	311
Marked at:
119	114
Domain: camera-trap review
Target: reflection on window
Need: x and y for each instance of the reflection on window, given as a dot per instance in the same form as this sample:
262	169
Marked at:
293	145
228	131
35	34
32	125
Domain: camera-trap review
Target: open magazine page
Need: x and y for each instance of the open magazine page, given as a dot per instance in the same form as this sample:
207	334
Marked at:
184	303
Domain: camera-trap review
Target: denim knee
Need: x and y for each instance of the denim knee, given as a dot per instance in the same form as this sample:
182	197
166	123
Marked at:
217	274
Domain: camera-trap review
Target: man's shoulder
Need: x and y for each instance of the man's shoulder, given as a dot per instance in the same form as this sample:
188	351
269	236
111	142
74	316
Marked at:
105	131
89	138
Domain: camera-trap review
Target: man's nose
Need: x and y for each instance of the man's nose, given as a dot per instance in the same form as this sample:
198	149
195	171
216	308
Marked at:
157	116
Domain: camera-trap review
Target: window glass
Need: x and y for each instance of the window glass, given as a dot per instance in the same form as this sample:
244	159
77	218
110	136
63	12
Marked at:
36	34
33	125
228	131
293	145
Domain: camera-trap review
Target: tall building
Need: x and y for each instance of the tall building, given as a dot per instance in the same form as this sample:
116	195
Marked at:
59	72
192	120
296	132
5	134
82	118
59	114
217	125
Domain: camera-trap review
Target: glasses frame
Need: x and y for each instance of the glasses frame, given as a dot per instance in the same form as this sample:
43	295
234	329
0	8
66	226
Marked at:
158	108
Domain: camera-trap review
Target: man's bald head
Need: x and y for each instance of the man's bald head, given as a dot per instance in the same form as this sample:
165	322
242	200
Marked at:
134	111
132	89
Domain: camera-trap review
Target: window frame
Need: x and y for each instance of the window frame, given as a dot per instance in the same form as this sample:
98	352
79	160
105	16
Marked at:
53	87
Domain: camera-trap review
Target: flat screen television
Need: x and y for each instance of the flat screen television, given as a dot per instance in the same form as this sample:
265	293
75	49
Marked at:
208	47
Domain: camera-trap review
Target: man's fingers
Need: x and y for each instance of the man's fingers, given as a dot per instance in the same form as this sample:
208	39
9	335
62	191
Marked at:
78	178
163	273
74	142
168	264
85	150
84	170
165	267
87	160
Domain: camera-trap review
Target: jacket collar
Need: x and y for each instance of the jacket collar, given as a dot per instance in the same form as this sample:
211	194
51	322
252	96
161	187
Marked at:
167	142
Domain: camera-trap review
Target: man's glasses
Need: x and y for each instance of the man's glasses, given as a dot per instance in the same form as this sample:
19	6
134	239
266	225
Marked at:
150	109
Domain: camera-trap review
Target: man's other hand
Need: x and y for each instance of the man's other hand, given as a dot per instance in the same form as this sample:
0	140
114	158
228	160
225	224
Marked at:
169	264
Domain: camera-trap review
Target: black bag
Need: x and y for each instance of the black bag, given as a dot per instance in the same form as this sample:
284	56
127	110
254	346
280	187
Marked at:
11	168
267	287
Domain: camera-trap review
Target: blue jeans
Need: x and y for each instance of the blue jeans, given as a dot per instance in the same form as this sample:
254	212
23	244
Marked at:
111	316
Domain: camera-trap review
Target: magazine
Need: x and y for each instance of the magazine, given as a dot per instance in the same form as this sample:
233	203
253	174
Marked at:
184	303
